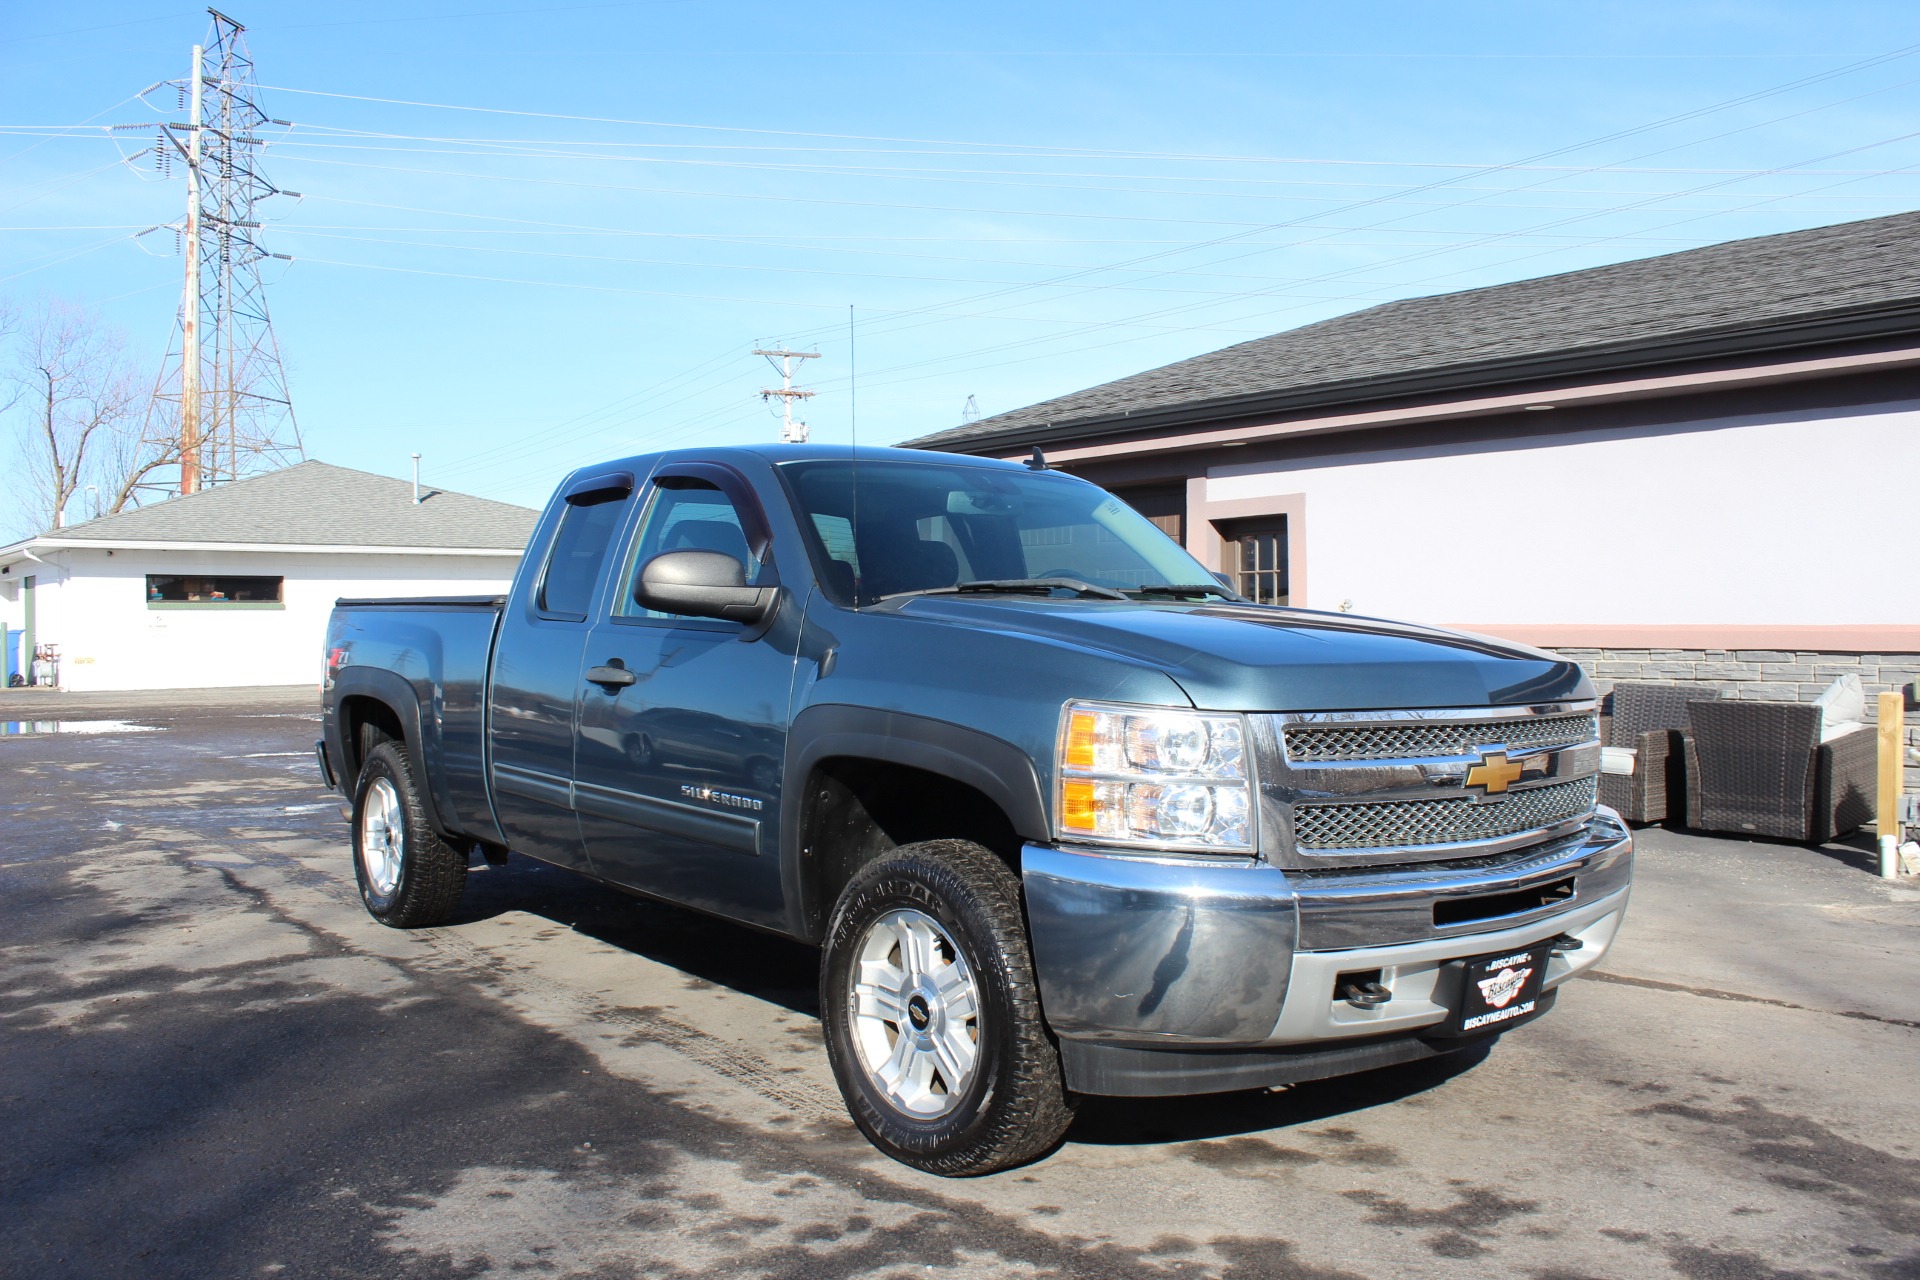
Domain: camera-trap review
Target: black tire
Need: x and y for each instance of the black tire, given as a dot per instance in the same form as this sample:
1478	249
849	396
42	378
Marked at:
1013	1106
429	877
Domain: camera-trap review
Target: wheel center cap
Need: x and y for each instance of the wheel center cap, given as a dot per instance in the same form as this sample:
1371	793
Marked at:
918	1013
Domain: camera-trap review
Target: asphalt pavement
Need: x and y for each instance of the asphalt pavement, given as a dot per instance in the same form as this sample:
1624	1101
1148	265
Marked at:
213	1064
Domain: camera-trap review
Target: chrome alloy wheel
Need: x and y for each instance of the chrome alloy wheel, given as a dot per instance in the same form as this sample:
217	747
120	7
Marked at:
383	835
916	1014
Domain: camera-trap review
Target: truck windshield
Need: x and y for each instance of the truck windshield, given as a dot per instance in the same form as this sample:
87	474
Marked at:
933	526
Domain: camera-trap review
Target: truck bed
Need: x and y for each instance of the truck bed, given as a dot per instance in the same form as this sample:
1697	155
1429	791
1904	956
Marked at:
419	602
426	656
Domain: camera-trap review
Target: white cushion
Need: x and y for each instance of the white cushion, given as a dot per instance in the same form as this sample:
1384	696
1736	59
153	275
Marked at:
1842	703
1829	732
1618	760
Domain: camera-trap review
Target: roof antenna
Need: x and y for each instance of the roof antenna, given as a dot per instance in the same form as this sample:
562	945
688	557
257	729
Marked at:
853	454
1038	462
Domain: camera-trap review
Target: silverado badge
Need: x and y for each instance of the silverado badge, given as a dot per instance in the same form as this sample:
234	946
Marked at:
1503	986
1495	773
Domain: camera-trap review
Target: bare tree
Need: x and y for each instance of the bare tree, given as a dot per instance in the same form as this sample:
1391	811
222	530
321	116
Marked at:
77	404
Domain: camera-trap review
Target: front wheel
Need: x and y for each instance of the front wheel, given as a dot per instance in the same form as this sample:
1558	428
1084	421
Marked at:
932	1013
408	875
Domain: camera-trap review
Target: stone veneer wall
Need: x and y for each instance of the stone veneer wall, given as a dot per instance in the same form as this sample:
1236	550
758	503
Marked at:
1766	675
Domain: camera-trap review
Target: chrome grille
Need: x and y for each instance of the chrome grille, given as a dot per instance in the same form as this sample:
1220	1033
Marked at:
1414	740
1399	824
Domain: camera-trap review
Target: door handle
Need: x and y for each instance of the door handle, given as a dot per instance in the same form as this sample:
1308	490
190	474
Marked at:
611	677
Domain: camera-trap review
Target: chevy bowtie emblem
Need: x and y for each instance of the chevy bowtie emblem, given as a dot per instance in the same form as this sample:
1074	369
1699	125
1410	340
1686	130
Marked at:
1495	773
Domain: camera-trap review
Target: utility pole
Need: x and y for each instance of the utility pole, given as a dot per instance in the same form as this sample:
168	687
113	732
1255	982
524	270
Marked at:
791	432
221	400
190	299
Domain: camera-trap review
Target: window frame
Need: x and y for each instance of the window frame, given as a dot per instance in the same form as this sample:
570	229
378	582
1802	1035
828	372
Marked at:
1234	533
738	491
280	602
603	488
1208	522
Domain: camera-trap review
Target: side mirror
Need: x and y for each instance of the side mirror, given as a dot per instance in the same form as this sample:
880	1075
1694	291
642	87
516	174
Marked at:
702	584
1226	580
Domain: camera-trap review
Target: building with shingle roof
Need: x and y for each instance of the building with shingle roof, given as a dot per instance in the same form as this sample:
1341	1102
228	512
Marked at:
1744	298
232	585
1685	467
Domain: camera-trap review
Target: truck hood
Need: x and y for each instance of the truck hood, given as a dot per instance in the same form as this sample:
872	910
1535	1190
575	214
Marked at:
1235	657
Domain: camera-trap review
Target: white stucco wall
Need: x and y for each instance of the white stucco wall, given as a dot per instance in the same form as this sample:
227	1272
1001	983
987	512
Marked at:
1748	520
95	609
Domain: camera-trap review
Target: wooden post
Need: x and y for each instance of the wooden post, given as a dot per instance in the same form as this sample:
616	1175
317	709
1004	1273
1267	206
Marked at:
1893	736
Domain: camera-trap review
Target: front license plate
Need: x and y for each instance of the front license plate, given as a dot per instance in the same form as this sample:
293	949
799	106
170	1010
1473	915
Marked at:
1500	989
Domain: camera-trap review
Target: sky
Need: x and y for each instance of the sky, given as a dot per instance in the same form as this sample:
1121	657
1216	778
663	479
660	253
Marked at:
530	238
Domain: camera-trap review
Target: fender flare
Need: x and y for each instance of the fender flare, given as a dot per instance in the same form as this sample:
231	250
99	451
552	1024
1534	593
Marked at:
392	691
992	766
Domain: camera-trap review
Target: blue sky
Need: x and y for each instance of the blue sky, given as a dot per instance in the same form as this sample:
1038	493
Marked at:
1016	200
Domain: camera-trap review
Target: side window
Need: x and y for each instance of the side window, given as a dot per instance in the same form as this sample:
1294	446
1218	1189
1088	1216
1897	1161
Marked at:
691	516
579	549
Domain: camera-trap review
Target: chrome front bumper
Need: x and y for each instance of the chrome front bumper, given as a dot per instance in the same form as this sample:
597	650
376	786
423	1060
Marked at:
1190	954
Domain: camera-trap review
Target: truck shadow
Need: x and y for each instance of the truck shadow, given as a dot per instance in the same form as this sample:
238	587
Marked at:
746	960
786	974
1123	1122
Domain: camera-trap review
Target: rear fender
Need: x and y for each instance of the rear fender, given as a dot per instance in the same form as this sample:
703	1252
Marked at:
394	692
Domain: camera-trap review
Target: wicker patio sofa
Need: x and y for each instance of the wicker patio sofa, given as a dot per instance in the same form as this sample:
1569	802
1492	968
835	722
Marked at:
1649	720
1760	768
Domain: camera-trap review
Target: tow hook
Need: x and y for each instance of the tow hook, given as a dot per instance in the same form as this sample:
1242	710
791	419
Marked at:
1566	942
1364	995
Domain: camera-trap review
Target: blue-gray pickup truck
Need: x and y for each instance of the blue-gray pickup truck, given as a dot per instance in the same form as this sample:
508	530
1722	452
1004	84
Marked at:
1065	814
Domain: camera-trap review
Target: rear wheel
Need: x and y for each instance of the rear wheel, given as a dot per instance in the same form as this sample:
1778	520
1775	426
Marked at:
409	877
933	1015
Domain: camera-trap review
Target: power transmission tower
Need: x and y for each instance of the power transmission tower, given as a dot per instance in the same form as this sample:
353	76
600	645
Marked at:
791	432
970	411
221	399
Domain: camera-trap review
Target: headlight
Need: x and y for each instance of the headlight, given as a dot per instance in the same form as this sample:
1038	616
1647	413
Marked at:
1169	779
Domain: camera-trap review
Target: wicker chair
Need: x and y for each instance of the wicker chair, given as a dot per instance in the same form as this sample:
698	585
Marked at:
1760	768
1650	718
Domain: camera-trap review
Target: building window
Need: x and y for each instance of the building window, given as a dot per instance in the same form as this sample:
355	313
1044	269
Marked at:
1258	553
223	591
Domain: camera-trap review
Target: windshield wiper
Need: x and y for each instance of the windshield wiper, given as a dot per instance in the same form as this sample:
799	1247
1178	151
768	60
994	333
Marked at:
1029	586
1185	589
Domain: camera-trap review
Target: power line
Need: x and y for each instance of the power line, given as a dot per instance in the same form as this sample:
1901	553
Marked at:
1846	69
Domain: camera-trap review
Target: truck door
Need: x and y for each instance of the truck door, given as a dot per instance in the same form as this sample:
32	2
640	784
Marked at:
536	672
683	720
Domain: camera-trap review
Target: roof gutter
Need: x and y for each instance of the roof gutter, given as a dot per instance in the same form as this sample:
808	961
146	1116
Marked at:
1828	329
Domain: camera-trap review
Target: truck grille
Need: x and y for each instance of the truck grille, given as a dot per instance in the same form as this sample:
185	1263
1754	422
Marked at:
1399	824
1412	740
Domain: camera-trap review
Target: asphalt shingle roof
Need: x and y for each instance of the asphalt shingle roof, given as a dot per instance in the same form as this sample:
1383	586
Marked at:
1735	285
318	504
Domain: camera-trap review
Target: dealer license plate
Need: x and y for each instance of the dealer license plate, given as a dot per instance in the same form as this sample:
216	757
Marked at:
1499	990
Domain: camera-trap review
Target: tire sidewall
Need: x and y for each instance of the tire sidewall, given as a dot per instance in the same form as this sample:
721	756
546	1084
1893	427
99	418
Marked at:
380	764
921	885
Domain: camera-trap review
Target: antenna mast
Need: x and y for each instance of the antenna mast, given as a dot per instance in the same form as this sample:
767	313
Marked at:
791	432
222	398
